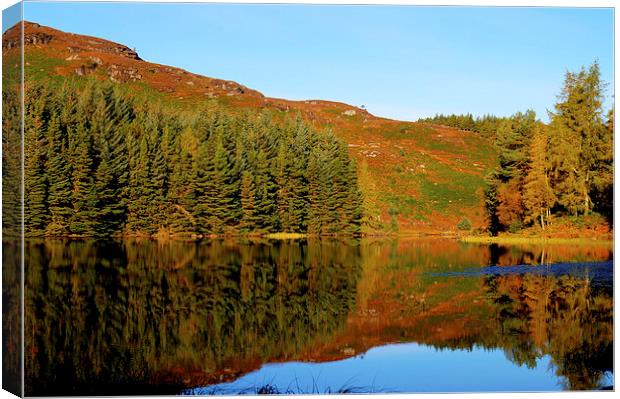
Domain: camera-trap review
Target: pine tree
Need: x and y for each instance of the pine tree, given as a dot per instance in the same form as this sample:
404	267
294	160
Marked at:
141	192
58	173
36	208
283	180
352	206
371	214
317	207
263	152
513	136
566	179
83	192
248	203
100	167
504	194
109	123
12	166
159	178
217	189
182	194
295	201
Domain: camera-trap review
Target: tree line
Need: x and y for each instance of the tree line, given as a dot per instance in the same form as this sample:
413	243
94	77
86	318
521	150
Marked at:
486	125
564	167
161	318
99	163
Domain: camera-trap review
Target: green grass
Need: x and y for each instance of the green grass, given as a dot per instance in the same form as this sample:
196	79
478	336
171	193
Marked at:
39	66
401	204
406	131
11	70
451	185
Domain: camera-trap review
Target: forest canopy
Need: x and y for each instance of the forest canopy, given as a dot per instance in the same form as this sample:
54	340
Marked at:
564	168
98	163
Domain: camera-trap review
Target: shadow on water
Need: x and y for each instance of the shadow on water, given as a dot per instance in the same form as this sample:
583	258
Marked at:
598	274
142	317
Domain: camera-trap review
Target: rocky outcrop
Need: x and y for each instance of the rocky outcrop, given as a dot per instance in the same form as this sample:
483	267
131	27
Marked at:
120	74
12	37
86	69
126	52
37	38
35	34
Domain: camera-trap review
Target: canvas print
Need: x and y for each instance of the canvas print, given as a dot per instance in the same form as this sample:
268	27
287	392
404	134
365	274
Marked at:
223	199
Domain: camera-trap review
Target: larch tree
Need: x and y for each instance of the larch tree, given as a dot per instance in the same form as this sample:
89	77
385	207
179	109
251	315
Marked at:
538	196
580	142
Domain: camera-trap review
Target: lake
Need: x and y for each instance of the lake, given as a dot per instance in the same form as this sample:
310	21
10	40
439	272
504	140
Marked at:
316	316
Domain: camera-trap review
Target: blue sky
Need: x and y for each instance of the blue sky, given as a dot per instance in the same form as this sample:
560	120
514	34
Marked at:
402	62
11	15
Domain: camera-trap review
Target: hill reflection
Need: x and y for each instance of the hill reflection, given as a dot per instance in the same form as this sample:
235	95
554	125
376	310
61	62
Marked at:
145	317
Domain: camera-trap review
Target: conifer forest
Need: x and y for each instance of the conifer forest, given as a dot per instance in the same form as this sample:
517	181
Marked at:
99	164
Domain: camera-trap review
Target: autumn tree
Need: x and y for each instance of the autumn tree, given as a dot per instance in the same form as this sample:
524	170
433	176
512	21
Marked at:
580	143
538	196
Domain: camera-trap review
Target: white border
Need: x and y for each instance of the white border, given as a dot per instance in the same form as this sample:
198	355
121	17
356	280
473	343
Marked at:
510	3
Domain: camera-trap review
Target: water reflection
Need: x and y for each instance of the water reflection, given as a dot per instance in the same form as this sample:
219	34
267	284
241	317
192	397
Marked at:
140	317
404	368
146	317
562	317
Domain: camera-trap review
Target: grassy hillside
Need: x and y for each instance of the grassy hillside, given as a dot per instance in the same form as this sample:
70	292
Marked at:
415	177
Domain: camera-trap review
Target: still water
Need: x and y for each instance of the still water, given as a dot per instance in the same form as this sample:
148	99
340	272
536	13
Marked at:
225	317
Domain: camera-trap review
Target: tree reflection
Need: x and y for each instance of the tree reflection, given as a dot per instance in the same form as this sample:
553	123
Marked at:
563	317
140	317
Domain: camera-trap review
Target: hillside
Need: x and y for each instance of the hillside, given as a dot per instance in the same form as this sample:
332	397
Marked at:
415	177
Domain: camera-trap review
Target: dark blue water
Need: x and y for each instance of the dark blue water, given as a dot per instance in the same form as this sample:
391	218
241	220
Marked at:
600	274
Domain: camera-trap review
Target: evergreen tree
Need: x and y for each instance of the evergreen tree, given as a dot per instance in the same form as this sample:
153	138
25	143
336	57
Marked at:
159	179
371	215
141	192
98	163
36	208
263	166
318	185
248	203
513	137
83	192
504	196
12	166
566	180
109	124
352	206
217	188
58	173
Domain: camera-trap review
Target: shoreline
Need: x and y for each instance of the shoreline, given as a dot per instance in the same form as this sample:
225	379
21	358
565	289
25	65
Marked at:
515	239
519	239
